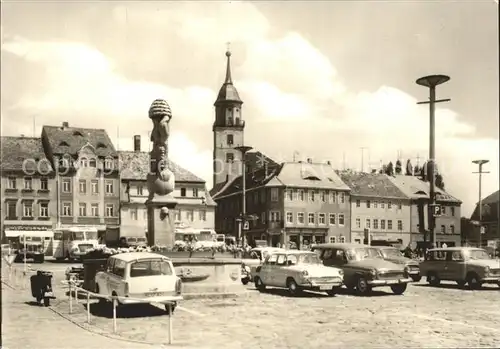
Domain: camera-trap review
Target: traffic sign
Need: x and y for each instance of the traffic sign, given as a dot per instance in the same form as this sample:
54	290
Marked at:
246	226
437	210
483	231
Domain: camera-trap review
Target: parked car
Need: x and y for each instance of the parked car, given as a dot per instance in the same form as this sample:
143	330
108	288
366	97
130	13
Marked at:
297	271
146	277
255	258
133	241
29	248
393	254
364	267
464	265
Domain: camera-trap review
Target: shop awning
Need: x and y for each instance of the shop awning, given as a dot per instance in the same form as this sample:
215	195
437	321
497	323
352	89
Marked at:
40	233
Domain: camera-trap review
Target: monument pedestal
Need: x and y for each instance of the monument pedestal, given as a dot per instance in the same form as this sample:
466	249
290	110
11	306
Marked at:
161	227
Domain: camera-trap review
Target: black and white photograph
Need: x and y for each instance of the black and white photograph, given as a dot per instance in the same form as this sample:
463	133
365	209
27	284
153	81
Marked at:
250	174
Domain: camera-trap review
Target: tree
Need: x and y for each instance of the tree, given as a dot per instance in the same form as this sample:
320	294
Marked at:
439	181
409	168
389	170
399	167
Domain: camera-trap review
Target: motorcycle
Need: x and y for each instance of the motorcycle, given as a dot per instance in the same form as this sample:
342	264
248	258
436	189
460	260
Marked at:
41	287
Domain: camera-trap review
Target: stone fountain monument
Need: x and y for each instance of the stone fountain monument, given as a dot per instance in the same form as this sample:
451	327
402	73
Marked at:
160	179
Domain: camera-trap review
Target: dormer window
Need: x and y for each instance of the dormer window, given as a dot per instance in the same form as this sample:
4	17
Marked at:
108	163
92	163
77	133
84	162
101	145
312	178
63	144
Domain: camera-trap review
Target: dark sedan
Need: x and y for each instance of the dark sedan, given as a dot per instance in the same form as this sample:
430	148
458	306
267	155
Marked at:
394	255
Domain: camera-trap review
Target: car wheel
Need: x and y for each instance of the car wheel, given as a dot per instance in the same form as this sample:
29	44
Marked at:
244	281
461	283
101	300
416	278
172	307
473	281
293	288
399	288
362	287
433	279
333	291
259	285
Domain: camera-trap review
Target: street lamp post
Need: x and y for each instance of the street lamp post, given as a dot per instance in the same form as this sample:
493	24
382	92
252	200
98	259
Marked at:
431	82
241	223
480	163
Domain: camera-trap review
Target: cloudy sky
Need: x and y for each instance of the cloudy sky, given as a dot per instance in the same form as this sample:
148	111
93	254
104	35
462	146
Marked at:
320	78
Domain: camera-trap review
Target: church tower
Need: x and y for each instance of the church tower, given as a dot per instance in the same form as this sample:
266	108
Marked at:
228	130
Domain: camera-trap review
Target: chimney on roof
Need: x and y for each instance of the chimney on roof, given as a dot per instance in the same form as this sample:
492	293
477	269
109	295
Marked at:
329	163
309	160
137	143
65	124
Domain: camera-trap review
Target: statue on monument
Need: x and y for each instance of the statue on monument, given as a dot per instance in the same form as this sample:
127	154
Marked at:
161	181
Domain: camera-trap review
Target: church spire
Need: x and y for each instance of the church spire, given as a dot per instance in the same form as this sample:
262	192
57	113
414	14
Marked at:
228	68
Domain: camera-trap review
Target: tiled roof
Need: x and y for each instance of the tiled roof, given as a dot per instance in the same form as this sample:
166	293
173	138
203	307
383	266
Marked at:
255	160
69	140
415	188
490	210
135	166
371	185
16	150
289	174
493	198
310	175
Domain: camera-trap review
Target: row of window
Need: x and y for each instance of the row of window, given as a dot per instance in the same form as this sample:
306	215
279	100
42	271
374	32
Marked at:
28	209
194	191
94	186
312	218
92	162
311	195
333	239
375	204
374	224
28	183
67	210
189	215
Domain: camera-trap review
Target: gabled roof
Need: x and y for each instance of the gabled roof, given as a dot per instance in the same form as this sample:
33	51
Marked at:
70	140
490	209
371	185
255	160
415	188
491	199
134	165
16	150
257	178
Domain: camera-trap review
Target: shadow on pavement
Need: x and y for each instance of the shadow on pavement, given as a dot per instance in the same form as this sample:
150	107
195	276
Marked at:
456	287
311	294
375	293
130	311
33	303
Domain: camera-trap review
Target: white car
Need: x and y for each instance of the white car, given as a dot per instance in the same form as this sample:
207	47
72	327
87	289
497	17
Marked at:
297	271
142	277
257	256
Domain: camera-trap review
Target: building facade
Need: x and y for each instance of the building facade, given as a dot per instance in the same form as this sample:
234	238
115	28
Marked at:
195	207
228	130
294	204
29	205
87	175
489	220
447	226
378	209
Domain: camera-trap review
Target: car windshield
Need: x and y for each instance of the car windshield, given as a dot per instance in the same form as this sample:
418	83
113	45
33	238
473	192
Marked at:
306	258
478	254
141	240
91	235
391	252
150	267
131	240
359	254
78	236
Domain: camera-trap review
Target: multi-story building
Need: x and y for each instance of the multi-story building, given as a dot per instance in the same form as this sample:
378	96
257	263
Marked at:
489	220
296	202
29	204
378	208
87	175
195	207
447	225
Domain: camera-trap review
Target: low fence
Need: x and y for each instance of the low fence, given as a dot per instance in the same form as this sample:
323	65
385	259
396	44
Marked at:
19	278
75	289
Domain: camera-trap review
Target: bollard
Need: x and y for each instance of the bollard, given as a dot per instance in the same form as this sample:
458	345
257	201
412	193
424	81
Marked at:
170	332
114	314
88	308
70	298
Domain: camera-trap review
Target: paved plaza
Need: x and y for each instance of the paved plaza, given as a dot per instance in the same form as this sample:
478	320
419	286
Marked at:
445	317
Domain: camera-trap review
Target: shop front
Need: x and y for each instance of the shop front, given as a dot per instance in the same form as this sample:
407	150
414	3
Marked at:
302	239
41	233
